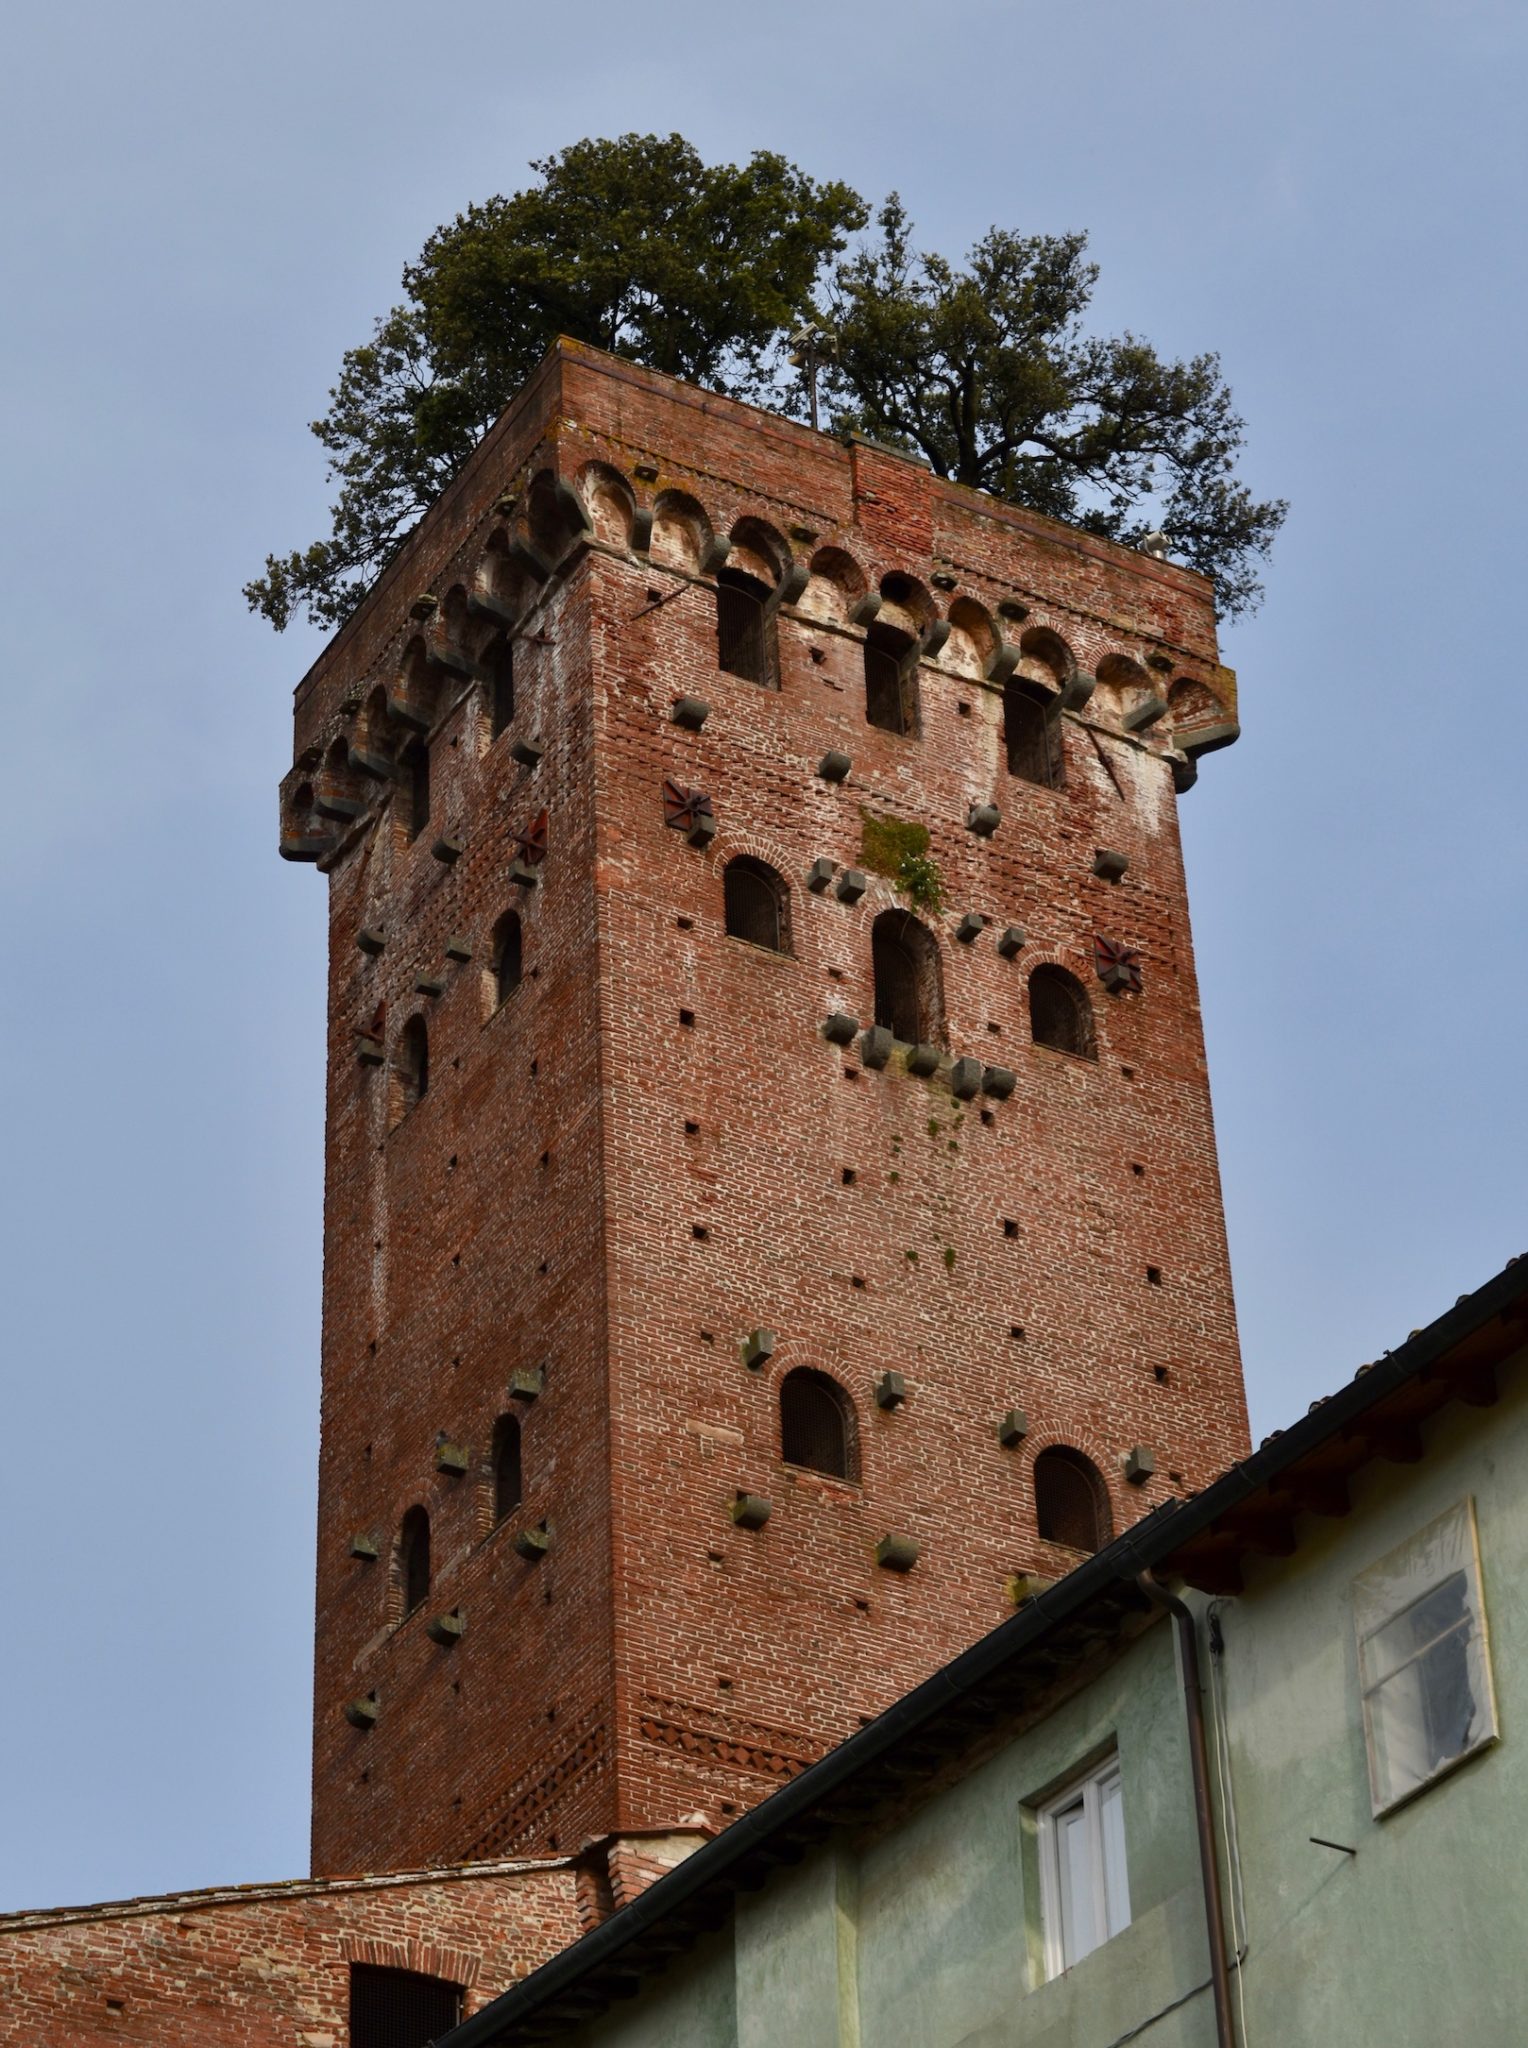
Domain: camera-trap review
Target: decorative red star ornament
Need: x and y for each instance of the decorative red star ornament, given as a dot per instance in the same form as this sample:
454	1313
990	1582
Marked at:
1118	967
684	808
530	845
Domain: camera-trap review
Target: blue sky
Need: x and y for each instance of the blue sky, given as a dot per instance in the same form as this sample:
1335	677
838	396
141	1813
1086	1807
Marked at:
205	208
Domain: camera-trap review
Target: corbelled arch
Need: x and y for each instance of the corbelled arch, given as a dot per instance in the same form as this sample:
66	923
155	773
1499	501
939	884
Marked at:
682	532
610	501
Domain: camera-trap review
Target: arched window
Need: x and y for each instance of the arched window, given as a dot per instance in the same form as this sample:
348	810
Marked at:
416	787
507	965
1071	1501
891	673
745	628
411	1064
1032	730
905	960
1060	1014
817	1424
507	1486
757	904
414	1559
498	660
395	2008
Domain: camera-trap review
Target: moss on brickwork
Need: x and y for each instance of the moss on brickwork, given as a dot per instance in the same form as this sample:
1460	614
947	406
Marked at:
899	849
886	842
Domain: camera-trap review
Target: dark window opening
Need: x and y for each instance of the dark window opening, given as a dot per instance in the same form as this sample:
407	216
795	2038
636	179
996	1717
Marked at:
400	2008
905	962
1032	730
816	1424
1071	1504
507	1482
416	769
507	952
755	902
891	669
499	660
414	1559
745	628
412	1064
1060	1014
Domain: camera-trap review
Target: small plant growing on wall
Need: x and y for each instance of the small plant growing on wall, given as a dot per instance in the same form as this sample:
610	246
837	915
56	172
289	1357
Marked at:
899	850
919	880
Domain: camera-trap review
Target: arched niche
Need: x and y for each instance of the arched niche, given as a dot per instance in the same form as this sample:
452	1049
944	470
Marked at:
905	604
681	532
1121	673
413	697
297	811
547	516
339	792
972	641
498	574
760	550
453	616
835	583
1044	657
610	501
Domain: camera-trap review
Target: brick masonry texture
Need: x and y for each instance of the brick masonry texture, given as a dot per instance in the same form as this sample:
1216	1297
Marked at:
268	1966
594	1189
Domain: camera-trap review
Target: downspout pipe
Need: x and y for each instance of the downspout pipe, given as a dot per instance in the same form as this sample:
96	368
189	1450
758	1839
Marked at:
1204	1818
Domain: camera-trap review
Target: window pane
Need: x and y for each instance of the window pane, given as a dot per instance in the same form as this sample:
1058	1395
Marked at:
1423	1658
1439	1610
1079	1922
1086	1892
1111	1821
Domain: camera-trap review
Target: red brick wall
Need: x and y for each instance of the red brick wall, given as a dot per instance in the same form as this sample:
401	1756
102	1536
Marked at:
659	1661
269	1967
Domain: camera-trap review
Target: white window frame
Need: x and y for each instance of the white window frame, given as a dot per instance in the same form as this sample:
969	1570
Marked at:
1078	1816
1400	1711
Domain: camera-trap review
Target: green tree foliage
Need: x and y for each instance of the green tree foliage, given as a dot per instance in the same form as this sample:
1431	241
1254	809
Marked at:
986	372
633	245
636	246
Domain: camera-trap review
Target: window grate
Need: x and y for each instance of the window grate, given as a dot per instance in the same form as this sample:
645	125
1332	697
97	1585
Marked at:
507	1482
400	2008
1032	730
743	628
890	686
904	960
753	899
414	1558
815	1425
1070	1504
418	765
1060	1014
499	661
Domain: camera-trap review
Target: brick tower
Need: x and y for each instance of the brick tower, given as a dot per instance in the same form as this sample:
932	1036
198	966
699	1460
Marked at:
771	1202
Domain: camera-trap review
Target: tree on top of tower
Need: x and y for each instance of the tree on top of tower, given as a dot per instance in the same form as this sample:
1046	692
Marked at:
636	246
986	372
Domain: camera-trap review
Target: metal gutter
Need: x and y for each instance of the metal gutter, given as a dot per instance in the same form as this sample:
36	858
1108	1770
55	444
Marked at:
1204	1816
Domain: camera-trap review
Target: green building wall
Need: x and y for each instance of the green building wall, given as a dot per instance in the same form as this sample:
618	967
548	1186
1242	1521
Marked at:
1419	1938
